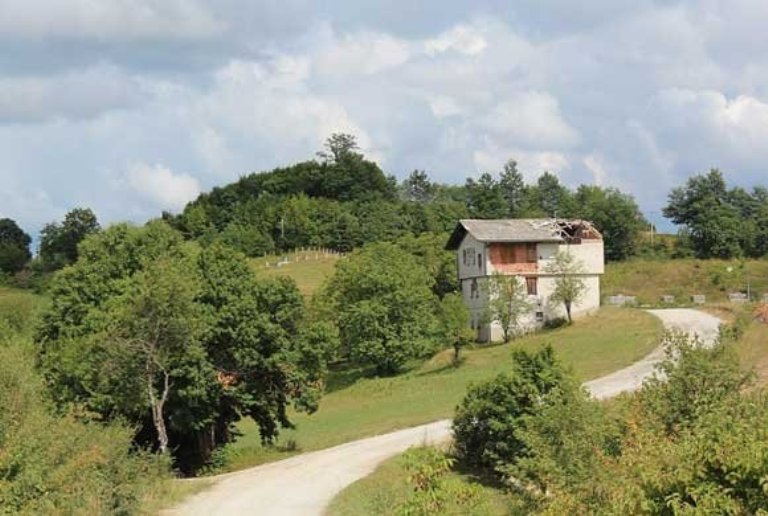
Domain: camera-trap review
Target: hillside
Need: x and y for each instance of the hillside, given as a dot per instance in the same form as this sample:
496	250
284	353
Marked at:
650	279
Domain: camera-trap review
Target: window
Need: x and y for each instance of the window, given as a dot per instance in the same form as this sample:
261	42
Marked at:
479	260
539	316
530	251
531	286
474	292
469	256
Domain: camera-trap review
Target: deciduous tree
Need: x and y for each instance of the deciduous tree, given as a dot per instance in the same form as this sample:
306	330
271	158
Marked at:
570	287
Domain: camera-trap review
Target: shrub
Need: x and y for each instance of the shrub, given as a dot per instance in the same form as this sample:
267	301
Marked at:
58	465
488	419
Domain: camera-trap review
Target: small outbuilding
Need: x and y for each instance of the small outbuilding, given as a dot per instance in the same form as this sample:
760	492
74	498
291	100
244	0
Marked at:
524	248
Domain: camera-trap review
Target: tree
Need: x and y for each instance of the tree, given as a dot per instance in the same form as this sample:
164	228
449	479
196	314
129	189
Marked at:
507	302
339	147
454	319
616	216
551	197
58	242
154	331
14	247
418	187
177	340
385	307
569	286
488	420
704	207
485	198
513	189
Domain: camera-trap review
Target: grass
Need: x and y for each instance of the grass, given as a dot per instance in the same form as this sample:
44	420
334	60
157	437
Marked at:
650	279
387	488
359	407
308	268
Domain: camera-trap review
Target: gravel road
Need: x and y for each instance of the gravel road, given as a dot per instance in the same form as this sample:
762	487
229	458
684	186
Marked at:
304	485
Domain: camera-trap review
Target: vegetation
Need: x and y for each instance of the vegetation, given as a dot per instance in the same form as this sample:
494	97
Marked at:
693	444
418	482
343	201
178	341
58	242
54	463
384	306
14	247
720	222
488	420
650	279
508	303
357	405
569	286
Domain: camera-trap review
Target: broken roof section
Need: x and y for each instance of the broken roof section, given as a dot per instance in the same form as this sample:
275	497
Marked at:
523	230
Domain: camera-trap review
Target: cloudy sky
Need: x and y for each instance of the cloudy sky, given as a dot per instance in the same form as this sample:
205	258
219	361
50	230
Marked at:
135	106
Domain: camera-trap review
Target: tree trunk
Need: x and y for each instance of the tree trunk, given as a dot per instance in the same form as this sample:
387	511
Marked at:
568	311
157	410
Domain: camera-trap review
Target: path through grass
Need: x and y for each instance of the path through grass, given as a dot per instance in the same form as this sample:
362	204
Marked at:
597	345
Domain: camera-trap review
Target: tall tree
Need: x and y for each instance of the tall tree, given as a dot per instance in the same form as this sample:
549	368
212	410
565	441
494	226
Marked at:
615	214
418	188
704	207
178	341
485	198
551	197
14	246
58	242
512	188
384	305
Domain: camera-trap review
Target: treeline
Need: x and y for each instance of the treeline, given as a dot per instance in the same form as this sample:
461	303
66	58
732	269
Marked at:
717	221
343	201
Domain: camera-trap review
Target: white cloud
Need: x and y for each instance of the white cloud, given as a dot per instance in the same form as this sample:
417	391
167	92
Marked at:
159	184
594	164
76	95
107	20
491	158
530	118
464	39
362	52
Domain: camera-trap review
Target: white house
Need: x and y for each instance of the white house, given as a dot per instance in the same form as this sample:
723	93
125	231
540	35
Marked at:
524	248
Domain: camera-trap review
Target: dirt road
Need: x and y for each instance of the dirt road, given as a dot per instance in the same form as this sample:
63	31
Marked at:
305	484
630	378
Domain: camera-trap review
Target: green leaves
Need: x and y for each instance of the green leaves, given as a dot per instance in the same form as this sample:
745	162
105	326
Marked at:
144	316
386	310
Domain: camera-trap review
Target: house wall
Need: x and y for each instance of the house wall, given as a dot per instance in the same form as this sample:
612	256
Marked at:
588	252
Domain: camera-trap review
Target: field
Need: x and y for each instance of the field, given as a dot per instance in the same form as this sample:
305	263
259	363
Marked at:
650	279
308	268
358	406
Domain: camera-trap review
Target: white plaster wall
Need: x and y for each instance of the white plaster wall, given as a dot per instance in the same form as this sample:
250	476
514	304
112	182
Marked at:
472	271
589	253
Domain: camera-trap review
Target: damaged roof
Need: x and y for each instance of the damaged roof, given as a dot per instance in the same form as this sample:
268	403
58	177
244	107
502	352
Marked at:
522	230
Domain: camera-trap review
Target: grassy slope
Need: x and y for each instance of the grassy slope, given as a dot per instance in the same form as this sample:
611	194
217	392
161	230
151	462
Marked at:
650	279
368	406
308	269
387	488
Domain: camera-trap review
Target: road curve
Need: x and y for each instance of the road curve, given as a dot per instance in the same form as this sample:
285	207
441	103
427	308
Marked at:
693	322
305	484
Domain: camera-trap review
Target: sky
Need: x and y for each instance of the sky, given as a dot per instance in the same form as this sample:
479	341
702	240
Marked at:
131	107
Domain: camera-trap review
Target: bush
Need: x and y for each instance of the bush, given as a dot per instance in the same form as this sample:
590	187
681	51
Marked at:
489	418
51	465
693	380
